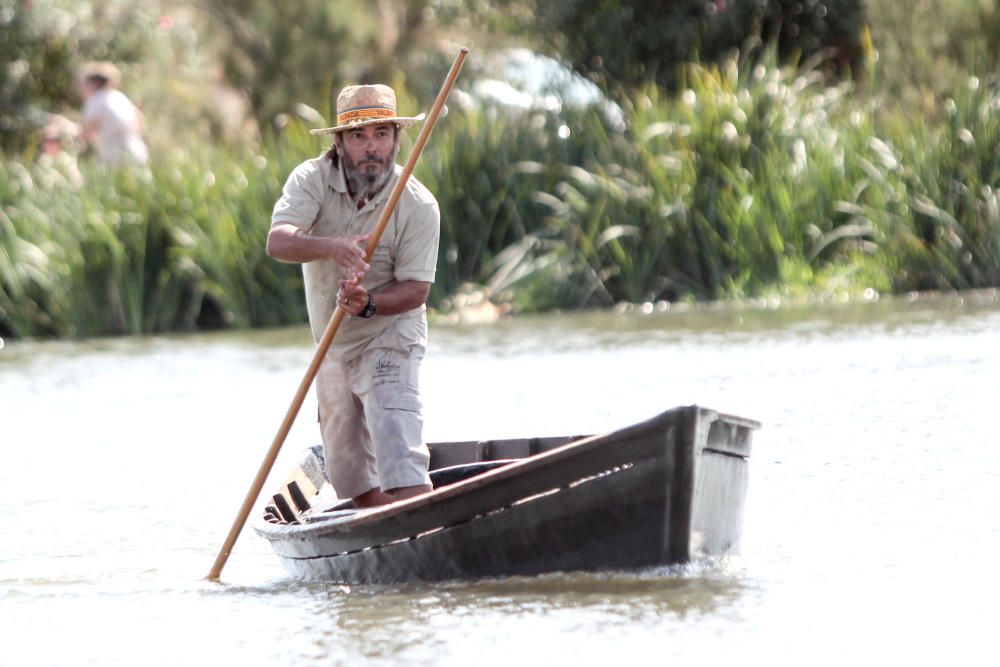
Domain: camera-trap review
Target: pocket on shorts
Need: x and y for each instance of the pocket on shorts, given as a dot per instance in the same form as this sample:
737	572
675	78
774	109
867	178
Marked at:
391	399
394	379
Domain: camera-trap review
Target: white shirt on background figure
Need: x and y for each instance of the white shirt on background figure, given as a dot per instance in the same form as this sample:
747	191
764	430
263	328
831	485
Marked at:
118	124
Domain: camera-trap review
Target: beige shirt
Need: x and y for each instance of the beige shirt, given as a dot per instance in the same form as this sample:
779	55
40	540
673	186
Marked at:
315	199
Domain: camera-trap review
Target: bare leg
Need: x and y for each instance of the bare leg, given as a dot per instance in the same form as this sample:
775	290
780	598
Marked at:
373	498
403	492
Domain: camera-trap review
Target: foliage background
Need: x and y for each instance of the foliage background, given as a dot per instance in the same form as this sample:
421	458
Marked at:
719	150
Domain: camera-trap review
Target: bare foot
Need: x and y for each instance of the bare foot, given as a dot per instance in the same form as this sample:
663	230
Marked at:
372	498
404	492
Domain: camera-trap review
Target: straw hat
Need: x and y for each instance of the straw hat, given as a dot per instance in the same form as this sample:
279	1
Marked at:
103	69
358	106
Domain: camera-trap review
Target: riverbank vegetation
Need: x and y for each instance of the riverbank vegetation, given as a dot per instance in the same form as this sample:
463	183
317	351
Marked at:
752	174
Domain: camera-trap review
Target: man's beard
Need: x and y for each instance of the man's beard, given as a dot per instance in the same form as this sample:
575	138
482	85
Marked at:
362	183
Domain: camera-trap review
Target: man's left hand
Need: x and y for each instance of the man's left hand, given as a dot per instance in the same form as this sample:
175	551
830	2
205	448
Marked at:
352	297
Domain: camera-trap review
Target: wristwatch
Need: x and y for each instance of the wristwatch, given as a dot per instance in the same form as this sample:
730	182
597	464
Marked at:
369	308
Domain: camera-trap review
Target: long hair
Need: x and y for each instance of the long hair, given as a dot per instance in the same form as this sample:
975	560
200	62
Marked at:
332	152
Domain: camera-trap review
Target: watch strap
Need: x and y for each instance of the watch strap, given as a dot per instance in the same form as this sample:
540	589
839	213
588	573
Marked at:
369	309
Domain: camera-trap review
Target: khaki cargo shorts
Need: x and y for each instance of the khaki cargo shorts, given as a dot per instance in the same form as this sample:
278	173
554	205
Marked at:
371	419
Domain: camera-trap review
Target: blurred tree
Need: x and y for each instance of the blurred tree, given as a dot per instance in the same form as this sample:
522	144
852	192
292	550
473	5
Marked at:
43	42
925	46
25	53
622	45
832	30
279	53
185	57
284	53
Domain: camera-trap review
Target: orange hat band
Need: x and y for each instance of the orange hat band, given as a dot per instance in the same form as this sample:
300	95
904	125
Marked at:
364	113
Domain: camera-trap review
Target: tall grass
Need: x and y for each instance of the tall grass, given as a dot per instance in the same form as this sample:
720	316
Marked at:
175	247
751	182
768	181
730	190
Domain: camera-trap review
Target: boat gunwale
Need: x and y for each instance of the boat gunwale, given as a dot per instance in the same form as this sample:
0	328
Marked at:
372	516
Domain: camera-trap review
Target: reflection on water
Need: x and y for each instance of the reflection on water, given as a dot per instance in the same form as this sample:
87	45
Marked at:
871	524
441	623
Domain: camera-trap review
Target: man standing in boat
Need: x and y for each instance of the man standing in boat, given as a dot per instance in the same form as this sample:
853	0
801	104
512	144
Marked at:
367	385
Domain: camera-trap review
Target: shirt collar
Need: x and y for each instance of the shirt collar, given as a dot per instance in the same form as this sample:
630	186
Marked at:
337	179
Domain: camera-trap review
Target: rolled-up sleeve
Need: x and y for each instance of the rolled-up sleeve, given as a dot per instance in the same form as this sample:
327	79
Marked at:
300	198
416	254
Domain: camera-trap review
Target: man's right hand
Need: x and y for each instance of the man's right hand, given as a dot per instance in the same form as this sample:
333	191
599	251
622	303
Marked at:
288	243
348	253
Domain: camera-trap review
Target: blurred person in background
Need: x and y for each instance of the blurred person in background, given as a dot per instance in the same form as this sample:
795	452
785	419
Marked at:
53	154
110	123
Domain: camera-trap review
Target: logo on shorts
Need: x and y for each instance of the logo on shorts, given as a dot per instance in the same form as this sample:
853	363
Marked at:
385	365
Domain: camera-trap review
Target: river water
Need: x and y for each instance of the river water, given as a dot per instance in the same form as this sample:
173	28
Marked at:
872	525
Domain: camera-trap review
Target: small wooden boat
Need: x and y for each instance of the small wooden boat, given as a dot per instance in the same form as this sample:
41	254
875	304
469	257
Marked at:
664	491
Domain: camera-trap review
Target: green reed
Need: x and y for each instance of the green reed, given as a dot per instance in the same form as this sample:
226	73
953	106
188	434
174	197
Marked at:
752	181
769	181
176	247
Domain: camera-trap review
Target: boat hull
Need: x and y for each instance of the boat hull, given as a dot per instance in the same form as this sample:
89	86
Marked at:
662	492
